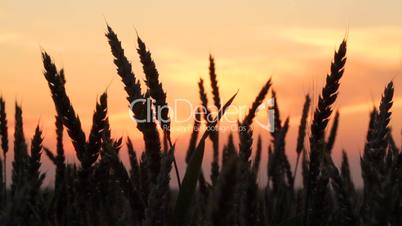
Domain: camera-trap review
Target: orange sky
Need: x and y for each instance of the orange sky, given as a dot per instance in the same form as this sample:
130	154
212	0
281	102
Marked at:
292	41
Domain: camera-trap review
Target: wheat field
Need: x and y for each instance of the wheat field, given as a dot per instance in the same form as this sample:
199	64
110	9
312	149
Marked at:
99	190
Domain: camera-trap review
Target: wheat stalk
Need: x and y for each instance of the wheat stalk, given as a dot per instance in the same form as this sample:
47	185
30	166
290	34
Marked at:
36	178
320	120
245	132
302	131
155	87
20	163
140	110
372	162
63	105
214	82
277	114
194	135
215	134
98	131
4	137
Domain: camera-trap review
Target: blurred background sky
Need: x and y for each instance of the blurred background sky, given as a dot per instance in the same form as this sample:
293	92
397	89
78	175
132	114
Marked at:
291	40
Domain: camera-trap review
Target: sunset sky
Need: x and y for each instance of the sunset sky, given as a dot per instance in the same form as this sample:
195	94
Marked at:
291	41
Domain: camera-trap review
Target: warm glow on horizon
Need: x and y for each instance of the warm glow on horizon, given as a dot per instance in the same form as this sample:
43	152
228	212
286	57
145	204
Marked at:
251	42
